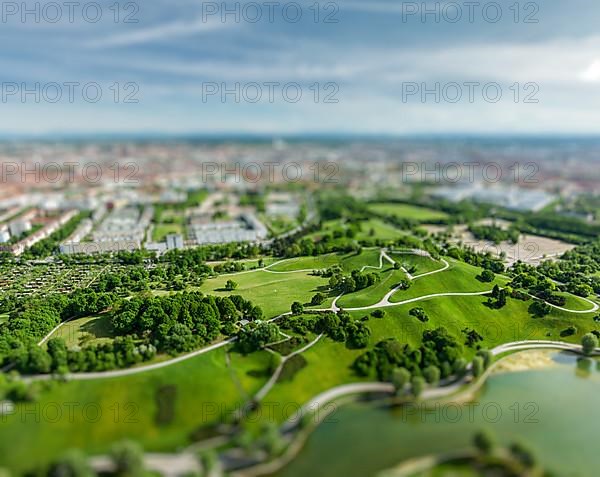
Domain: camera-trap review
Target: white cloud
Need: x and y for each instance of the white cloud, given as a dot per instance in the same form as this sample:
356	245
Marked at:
592	73
165	31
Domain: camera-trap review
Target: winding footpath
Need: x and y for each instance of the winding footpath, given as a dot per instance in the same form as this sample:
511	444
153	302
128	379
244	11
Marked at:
259	396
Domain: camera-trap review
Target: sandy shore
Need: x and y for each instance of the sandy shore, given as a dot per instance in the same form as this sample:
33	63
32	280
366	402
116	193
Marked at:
525	360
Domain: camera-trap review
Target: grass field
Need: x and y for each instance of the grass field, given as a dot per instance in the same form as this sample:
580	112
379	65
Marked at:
371	295
327	365
273	292
371	229
87	330
374	229
575	303
307	263
160	231
406	211
421	264
94	414
459	277
511	323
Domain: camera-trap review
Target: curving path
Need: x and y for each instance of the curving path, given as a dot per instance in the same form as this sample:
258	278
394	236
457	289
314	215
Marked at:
594	308
275	376
319	402
117	373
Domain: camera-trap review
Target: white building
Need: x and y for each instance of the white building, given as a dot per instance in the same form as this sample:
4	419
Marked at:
19	227
4	234
174	241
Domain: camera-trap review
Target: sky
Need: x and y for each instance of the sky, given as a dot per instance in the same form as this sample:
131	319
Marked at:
351	66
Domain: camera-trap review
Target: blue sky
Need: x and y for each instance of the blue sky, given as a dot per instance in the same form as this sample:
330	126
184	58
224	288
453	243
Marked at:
375	52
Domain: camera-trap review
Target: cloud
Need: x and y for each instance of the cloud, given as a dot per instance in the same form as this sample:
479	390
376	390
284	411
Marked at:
592	73
157	33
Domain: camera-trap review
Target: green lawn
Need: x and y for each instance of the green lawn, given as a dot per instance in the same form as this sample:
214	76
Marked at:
195	393
422	264
371	295
575	302
87	330
307	263
327	365
273	292
406	211
511	323
374	229
160	231
459	277
278	225
348	262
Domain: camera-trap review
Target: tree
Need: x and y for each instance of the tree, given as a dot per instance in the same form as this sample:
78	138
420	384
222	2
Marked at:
472	337
227	309
39	360
419	313
523	454
487	357
71	464
128	458
477	366
57	349
539	308
418	385
589	343
486	276
357	335
256	336
317	299
230	285
484	442
400	378
297	308
459	367
432	374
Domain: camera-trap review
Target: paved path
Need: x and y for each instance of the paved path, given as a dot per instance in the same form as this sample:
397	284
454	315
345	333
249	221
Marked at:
117	373
144	368
594	307
271	382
